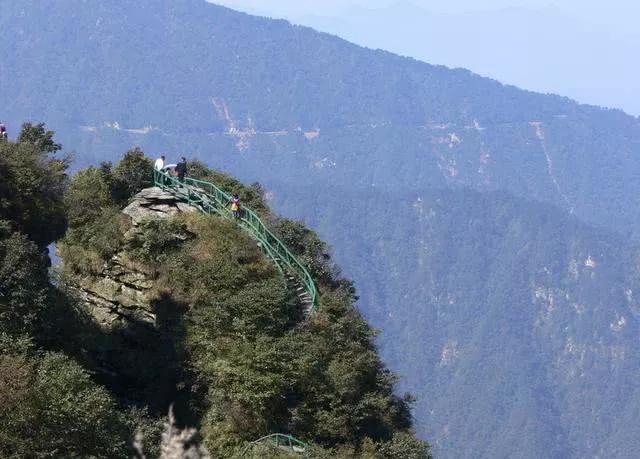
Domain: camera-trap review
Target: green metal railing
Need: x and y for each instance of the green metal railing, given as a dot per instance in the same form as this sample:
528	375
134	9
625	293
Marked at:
279	441
211	199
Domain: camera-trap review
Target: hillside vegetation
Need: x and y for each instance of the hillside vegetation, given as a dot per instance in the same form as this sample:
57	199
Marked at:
532	320
49	404
229	349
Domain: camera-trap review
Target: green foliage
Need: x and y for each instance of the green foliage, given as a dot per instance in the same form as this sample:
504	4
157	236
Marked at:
96	224
148	431
32	215
89	193
323	382
133	173
31	187
49	405
95	188
348	395
251	364
432	271
85	248
24	285
39	137
404	446
156	240
93	200
51	408
310	249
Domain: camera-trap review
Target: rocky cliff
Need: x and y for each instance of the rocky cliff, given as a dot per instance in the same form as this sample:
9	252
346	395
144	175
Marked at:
124	291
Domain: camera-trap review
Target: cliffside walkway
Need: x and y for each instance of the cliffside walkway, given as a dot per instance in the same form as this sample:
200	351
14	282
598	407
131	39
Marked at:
210	199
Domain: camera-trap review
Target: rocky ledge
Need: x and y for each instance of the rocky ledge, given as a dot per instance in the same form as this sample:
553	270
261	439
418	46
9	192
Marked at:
156	203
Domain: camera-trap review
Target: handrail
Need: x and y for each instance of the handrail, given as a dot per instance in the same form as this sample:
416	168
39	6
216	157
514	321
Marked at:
218	202
280	440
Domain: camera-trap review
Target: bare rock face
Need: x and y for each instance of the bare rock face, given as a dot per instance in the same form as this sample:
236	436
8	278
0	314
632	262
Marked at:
121	295
155	203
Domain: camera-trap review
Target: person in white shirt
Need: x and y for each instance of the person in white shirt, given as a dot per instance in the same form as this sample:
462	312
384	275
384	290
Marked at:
159	165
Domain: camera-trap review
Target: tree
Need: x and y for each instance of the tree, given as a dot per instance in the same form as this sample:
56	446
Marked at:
50	407
32	184
23	285
38	136
133	173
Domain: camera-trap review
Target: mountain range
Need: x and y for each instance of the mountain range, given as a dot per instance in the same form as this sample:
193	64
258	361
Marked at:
579	54
490	230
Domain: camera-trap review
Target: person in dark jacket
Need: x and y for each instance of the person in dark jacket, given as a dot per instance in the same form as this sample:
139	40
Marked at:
181	169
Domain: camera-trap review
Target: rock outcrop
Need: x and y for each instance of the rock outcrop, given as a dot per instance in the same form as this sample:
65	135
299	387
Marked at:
120	294
155	203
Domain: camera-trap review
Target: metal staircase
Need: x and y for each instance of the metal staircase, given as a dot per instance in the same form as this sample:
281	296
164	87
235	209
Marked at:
210	199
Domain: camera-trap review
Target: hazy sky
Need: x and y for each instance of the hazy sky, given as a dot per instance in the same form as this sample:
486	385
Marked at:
584	49
597	11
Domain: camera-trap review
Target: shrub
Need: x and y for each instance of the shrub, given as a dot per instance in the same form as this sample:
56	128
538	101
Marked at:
157	239
88	195
133	173
51	408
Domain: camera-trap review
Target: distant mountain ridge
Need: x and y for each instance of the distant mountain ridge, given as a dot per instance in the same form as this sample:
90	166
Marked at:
190	83
354	140
576	55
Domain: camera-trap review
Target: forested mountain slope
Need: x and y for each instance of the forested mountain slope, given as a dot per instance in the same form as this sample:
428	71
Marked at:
519	322
156	306
349	139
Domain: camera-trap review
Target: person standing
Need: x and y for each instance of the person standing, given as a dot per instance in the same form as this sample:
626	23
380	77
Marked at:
159	164
3	131
181	169
235	206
